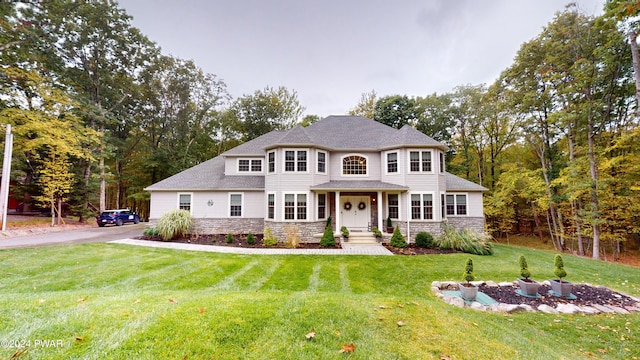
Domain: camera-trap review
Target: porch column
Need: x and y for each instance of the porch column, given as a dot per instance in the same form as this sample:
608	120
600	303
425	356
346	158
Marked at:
338	210
379	210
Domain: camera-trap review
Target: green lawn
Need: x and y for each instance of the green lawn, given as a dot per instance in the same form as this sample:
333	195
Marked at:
108	301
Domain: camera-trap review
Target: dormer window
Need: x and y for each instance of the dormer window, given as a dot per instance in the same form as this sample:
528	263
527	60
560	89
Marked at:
354	165
249	165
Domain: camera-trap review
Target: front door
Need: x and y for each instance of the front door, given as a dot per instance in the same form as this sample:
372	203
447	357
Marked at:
355	212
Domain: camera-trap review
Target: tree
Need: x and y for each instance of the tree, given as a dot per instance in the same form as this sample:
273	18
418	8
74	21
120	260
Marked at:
436	116
366	105
267	110
395	111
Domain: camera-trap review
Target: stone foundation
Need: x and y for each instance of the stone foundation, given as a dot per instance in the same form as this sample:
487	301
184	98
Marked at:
228	226
471	223
306	230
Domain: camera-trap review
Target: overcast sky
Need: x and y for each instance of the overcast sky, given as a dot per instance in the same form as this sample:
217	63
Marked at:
332	51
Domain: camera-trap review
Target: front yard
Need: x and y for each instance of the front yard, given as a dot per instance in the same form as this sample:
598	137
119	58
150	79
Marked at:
121	302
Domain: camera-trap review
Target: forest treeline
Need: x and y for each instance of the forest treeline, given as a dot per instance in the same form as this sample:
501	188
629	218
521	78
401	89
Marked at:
99	113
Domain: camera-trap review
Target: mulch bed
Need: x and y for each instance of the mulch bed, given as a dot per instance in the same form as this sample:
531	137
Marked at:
586	295
414	249
239	240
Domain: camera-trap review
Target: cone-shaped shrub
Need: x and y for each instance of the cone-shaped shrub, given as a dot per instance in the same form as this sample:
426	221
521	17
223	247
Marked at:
397	240
175	223
524	268
468	271
327	238
559	267
251	239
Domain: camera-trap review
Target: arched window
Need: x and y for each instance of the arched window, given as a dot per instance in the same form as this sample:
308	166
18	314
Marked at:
354	165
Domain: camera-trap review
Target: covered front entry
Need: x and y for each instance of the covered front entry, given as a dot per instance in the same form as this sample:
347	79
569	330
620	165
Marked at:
355	212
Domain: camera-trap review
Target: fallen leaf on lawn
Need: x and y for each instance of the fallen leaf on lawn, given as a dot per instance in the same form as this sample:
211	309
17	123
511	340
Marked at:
311	335
416	303
347	348
137	301
41	301
173	300
337	333
400	305
201	310
82	299
19	353
602	351
444	357
384	307
400	323
185	357
78	338
556	320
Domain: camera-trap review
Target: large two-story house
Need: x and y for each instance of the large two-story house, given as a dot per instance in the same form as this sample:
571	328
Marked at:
353	170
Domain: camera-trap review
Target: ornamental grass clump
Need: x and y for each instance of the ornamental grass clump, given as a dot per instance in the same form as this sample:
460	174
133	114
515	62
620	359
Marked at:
150	231
397	239
174	224
465	240
328	239
269	239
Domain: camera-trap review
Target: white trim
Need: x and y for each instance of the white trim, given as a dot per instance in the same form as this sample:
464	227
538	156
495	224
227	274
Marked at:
366	158
386	162
326	206
295	205
190	201
251	160
241	205
326	161
455	203
419	151
275	206
295	160
275	161
433	206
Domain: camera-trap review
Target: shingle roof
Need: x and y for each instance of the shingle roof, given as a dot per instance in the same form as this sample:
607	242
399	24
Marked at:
456	183
207	176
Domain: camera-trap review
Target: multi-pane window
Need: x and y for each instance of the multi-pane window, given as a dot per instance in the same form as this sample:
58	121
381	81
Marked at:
302	161
420	161
271	206
422	206
235	205
441	162
243	165
184	202
442	207
457	204
354	165
295	160
322	206
392	162
272	161
295	206
322	162
249	165
393	203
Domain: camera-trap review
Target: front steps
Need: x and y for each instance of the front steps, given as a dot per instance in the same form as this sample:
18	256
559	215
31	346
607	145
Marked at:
361	238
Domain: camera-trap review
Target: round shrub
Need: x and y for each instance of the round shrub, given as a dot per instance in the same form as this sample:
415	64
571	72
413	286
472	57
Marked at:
174	224
425	240
327	238
397	239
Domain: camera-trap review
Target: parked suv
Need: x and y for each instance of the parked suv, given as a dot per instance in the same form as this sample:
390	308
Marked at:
117	217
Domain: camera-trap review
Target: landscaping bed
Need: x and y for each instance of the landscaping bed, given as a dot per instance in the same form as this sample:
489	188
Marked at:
413	249
239	240
588	298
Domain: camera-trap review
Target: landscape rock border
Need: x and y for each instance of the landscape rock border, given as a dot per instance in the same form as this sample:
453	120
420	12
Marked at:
439	286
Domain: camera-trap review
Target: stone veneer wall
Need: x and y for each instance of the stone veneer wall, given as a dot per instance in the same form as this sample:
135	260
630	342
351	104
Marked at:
472	223
306	230
228	226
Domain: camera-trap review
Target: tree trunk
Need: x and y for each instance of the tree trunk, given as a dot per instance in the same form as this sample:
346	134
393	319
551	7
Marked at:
633	36
59	211
593	169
